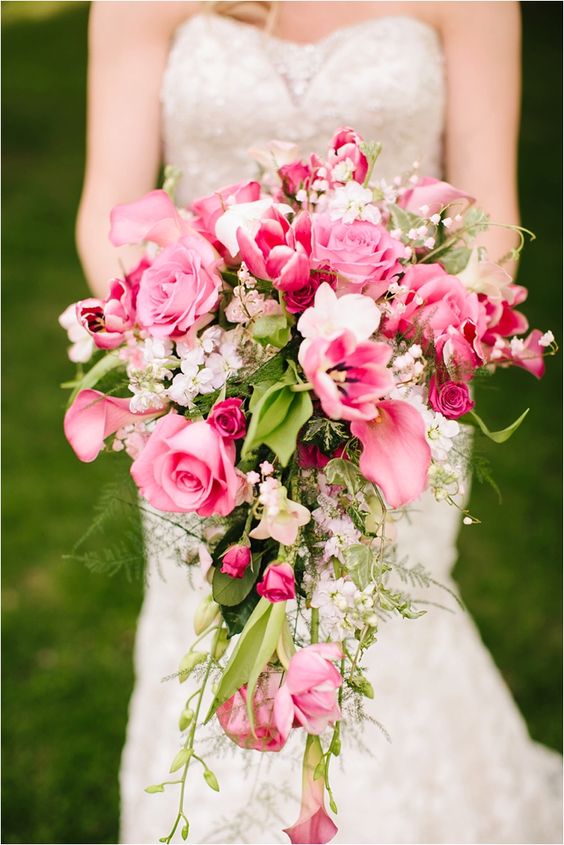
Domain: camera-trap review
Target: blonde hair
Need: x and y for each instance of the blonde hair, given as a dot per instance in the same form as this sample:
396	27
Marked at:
261	13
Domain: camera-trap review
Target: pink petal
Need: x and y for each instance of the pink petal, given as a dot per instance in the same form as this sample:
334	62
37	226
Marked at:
314	824
92	417
395	453
152	218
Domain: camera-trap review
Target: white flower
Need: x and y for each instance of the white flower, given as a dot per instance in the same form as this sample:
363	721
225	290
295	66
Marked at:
343	171
485	277
353	202
546	339
82	343
516	345
275	154
331	314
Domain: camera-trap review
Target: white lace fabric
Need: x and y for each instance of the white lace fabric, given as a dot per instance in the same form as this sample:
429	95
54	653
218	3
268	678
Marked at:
460	766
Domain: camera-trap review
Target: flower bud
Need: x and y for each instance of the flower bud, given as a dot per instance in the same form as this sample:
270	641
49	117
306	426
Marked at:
207	611
189	662
220	644
185	718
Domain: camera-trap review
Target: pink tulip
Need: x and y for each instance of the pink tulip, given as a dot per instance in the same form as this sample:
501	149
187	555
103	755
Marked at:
236	560
92	417
309	695
395	453
347	376
278	251
152	218
187	467
209	209
277	583
107	320
234	720
346	148
314	824
436	195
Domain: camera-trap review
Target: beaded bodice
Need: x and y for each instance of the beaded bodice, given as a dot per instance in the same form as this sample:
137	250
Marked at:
229	86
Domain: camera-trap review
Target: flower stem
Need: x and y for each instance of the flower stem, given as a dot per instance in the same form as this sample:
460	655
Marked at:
314	625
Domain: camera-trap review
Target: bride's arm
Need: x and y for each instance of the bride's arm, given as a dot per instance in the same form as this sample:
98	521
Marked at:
128	48
483	66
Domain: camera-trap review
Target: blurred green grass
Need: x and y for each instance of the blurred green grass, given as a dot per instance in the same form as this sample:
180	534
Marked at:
67	633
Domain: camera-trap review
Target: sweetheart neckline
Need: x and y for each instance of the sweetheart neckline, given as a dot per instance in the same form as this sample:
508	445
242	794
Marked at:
322	43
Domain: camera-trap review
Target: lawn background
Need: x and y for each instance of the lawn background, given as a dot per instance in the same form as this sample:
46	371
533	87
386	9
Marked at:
68	633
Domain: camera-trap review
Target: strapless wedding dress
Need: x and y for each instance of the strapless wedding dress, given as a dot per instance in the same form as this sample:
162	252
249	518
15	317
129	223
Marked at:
459	765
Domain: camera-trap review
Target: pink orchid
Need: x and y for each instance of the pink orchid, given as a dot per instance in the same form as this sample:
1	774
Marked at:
234	719
277	250
92	417
434	194
314	824
152	218
395	453
309	694
107	320
281	519
348	376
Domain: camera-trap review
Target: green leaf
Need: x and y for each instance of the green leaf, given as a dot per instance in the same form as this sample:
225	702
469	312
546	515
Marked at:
270	638
455	260
358	561
271	329
181	759
106	364
237	617
346	474
158	787
242	660
229	591
403	220
278	416
498	436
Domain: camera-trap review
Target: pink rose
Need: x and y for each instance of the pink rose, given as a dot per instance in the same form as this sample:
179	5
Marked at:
236	560
187	467
133	278
107	320
297	301
209	209
436	195
347	376
180	286
362	252
92	417
228	419
310	456
277	583
309	694
345	151
233	718
451	399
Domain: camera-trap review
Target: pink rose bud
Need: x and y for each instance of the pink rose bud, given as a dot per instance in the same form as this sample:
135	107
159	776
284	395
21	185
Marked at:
235	560
452	398
228	419
233	718
277	583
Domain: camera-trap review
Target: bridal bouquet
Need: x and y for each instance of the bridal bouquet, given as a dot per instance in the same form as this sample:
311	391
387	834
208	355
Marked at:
292	360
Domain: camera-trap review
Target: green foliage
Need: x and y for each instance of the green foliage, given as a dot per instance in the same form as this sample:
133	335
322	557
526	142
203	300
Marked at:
229	591
272	329
278	414
455	259
497	436
101	368
236	617
358	561
327	434
345	473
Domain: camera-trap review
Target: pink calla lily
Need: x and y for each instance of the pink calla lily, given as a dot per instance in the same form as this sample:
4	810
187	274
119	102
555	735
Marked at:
92	417
314	824
152	218
395	453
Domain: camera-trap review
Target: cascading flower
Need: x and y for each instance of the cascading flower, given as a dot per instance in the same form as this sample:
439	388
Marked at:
233	716
308	695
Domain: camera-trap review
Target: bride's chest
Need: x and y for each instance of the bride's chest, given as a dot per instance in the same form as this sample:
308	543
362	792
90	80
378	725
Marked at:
228	86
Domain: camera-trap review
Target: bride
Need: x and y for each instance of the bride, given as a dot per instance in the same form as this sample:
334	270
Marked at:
434	82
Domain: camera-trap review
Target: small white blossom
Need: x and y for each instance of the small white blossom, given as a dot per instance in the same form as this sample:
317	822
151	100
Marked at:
516	345
546	339
353	202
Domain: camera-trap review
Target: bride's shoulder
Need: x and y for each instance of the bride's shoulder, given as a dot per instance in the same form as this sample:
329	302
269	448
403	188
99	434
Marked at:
158	17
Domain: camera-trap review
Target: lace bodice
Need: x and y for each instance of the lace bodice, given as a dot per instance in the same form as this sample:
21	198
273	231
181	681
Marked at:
229	86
